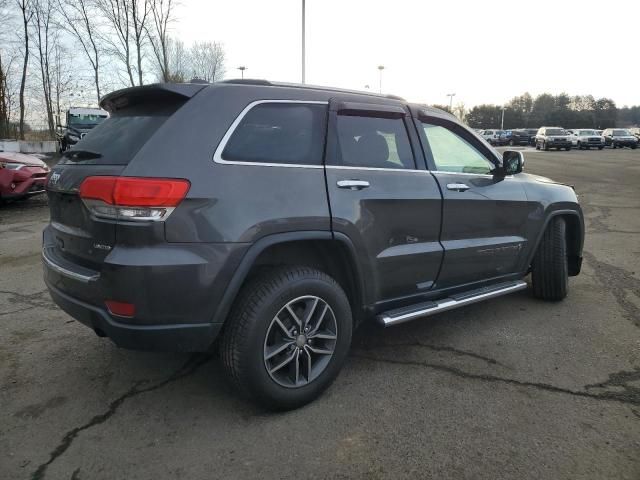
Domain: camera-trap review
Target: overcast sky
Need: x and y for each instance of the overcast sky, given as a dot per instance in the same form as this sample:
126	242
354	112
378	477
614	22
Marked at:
484	51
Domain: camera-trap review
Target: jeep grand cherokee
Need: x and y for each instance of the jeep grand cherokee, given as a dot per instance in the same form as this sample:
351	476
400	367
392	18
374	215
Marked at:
273	219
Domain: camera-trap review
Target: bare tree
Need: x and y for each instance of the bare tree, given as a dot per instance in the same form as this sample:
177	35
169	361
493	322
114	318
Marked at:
62	76
117	14
45	38
207	61
140	10
27	13
80	21
178	62
162	16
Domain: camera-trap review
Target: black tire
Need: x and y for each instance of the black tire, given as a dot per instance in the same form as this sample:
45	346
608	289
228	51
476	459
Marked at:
549	269
242	347
579	145
633	147
511	143
613	145
568	148
537	146
600	148
545	147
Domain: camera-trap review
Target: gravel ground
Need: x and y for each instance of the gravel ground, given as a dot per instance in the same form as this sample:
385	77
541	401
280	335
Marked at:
510	388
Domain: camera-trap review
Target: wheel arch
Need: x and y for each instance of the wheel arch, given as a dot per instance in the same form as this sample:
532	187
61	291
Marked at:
574	238
332	253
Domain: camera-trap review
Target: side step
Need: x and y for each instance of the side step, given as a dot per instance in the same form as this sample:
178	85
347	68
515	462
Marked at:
401	315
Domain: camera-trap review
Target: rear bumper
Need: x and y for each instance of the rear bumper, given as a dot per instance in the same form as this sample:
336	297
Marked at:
180	338
176	291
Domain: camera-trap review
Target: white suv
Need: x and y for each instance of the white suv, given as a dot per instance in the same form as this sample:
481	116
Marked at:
491	136
586	138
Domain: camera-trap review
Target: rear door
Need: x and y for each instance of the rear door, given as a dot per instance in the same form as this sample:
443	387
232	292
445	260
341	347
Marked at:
74	234
484	216
388	207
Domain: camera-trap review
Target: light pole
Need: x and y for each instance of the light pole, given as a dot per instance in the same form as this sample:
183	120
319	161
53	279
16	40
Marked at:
451	95
303	39
380	68
242	68
502	121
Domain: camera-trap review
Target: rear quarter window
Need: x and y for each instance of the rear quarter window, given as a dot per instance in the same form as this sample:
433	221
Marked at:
280	133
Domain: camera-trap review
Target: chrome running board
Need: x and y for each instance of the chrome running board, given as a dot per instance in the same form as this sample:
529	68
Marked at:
401	315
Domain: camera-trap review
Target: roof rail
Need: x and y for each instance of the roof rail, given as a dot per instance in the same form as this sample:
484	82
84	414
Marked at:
247	81
250	81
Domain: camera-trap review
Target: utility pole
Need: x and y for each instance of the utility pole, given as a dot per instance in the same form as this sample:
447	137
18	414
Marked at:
451	95
380	68
303	40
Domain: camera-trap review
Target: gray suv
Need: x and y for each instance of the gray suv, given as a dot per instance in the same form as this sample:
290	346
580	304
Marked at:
269	220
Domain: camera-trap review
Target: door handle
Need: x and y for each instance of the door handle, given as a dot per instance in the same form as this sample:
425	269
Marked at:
353	184
458	187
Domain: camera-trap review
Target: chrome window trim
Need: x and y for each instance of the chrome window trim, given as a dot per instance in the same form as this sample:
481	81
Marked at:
217	155
485	175
375	169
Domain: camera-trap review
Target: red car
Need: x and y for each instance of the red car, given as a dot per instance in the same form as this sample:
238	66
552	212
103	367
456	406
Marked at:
21	175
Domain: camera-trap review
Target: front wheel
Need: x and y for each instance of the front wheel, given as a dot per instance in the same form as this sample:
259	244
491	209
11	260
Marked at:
287	337
545	147
549	269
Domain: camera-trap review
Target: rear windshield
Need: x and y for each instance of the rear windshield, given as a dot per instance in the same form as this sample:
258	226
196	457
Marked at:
119	138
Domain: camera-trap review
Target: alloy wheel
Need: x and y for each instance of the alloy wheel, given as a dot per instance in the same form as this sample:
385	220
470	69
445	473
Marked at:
300	341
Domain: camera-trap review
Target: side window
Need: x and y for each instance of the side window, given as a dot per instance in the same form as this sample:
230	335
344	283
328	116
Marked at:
372	142
290	133
452	153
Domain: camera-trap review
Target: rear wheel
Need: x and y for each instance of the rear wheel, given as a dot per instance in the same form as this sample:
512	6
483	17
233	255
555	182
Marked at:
287	337
549	269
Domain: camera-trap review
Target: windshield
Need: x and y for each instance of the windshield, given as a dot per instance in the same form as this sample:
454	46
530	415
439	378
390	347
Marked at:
587	132
621	133
76	119
555	131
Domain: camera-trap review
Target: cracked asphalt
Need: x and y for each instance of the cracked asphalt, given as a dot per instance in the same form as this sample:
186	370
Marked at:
509	388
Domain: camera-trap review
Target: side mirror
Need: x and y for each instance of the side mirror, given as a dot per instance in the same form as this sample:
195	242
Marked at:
512	162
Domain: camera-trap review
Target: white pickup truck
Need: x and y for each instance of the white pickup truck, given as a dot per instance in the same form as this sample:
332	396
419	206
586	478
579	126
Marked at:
586	138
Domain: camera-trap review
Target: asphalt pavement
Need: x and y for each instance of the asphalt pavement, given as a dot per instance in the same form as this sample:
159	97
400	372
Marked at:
509	388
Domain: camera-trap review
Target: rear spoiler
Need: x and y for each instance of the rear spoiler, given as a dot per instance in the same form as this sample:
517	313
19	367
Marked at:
130	96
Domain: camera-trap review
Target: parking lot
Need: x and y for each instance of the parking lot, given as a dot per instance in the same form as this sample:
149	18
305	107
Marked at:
509	388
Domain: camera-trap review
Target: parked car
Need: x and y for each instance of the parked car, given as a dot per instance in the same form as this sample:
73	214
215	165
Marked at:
636	132
276	218
586	138
532	135
619	137
79	121
21	176
491	136
519	137
552	137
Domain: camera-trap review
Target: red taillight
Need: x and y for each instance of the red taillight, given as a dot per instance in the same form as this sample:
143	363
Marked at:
135	192
133	198
122	309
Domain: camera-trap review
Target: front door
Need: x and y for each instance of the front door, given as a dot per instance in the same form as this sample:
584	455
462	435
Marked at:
389	208
484	216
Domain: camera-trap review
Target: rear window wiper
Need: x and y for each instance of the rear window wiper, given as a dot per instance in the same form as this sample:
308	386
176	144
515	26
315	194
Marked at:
75	155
